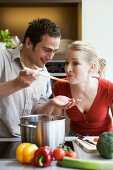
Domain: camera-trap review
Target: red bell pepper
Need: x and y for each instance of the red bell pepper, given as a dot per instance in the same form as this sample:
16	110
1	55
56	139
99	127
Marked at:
43	156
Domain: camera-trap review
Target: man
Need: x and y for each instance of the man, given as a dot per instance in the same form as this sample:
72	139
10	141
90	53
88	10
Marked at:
41	41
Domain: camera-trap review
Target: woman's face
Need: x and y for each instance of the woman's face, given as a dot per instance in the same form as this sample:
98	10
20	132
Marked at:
76	67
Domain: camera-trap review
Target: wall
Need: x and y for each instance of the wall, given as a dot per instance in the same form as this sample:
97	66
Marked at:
97	28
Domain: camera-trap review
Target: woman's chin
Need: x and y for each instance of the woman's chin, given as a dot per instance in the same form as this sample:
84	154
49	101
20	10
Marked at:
72	82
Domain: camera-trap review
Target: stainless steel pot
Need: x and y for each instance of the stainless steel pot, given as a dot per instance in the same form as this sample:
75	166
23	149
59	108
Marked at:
43	130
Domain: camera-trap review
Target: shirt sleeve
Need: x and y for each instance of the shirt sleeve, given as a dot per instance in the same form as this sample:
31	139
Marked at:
106	90
61	88
110	92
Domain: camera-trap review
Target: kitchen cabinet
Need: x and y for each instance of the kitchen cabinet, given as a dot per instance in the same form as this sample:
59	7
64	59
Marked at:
16	14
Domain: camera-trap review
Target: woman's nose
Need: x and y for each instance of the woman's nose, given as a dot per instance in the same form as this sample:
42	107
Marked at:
68	68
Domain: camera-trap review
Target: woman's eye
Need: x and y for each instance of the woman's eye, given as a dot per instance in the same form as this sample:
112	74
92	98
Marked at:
75	63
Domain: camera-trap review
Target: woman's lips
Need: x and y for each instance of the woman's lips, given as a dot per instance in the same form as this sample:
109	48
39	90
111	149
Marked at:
70	76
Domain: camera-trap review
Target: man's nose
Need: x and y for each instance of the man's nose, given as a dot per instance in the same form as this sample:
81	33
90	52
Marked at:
51	55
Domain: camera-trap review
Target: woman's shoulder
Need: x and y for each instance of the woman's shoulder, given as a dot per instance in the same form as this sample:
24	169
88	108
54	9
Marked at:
105	82
61	83
60	86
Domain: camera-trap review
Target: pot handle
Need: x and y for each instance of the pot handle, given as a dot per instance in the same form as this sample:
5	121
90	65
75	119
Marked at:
29	126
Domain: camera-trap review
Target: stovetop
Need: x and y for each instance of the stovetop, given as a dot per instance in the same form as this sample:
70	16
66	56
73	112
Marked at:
8	149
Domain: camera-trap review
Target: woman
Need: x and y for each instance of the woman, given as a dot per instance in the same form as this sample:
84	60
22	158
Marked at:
91	115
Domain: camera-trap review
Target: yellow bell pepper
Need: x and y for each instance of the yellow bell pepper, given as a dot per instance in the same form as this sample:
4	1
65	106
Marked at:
25	152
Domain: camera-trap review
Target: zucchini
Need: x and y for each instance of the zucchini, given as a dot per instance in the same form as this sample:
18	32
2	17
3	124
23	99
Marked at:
85	164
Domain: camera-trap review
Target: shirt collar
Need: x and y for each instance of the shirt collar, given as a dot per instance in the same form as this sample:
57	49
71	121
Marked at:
16	55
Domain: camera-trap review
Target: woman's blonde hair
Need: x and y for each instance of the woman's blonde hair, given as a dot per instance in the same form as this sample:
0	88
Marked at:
87	49
102	66
102	63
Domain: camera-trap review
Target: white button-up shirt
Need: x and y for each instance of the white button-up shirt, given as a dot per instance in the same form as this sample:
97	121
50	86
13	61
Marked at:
22	102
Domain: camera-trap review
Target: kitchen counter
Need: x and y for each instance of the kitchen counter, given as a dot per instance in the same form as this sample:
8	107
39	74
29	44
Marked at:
12	163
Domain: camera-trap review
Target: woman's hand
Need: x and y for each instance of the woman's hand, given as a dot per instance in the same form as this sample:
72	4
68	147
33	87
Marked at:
64	102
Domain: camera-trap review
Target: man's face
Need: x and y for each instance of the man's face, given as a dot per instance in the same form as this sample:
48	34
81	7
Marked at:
44	50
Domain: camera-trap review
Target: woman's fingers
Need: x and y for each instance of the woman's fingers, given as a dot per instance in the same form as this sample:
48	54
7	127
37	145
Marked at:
65	102
77	101
72	102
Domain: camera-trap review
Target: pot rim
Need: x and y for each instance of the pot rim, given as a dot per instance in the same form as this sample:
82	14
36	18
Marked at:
48	118
28	126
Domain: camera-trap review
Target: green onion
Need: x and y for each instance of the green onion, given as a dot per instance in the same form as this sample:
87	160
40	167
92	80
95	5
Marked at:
85	164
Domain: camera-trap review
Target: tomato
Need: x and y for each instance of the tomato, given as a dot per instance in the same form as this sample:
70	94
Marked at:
71	154
95	139
59	153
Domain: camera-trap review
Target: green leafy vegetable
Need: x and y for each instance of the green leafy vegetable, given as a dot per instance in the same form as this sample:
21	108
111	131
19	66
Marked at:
105	145
6	37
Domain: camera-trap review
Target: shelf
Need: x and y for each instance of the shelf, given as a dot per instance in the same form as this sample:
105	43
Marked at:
37	1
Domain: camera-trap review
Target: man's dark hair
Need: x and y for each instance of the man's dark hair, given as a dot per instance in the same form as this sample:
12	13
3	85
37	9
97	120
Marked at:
39	27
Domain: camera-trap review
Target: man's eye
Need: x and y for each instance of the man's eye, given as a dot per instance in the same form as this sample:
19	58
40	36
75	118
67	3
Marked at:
46	50
49	50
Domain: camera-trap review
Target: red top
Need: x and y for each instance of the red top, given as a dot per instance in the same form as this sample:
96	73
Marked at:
97	119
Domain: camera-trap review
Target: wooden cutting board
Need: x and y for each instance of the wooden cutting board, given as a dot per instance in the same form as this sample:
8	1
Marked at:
87	147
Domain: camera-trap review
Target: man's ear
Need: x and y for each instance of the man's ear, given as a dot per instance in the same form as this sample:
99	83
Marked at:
28	43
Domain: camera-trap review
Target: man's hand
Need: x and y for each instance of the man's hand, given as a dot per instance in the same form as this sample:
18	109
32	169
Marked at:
26	77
